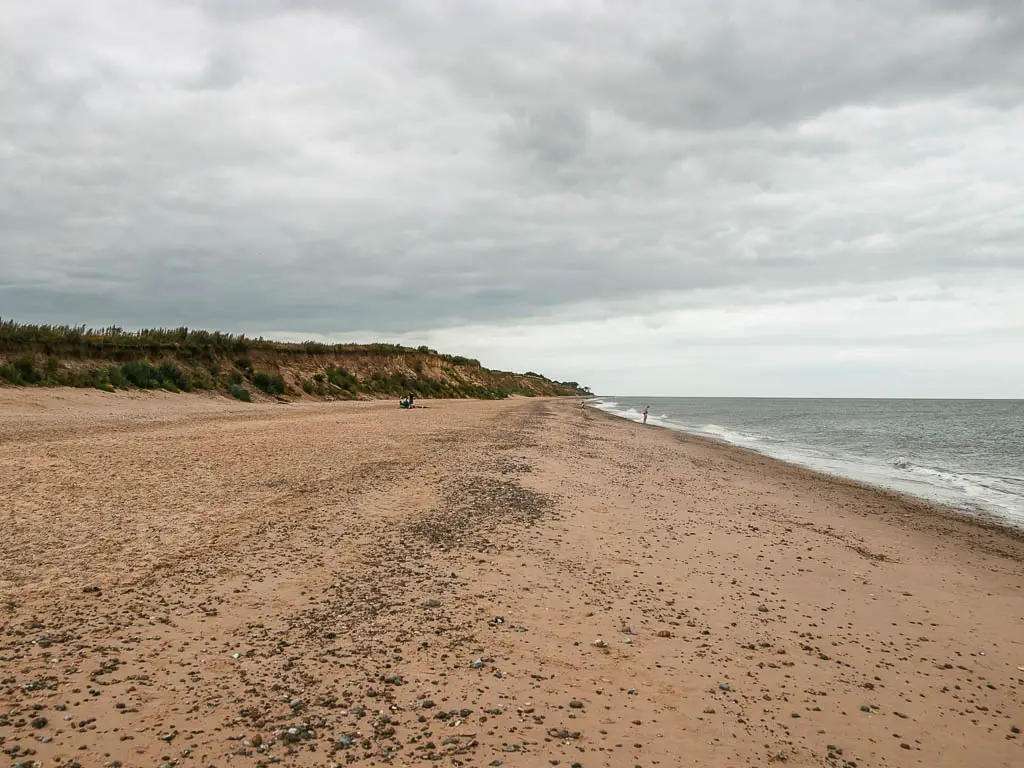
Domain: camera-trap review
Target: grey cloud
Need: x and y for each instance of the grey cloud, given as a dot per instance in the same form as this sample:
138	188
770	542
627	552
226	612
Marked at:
318	166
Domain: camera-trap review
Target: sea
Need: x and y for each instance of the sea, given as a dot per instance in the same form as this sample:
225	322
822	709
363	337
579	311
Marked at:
966	454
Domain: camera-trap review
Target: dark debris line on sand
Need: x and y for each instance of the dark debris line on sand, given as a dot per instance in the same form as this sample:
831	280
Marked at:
387	614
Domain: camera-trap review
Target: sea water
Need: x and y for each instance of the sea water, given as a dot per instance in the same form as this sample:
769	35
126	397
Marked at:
968	454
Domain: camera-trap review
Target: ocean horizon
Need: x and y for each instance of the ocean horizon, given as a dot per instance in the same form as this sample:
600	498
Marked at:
967	454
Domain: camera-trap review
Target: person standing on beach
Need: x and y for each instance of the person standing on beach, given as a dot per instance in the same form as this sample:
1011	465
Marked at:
645	413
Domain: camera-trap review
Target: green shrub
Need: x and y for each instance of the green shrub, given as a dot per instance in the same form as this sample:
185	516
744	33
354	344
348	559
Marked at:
172	377
141	374
307	387
235	378
116	377
244	364
339	377
240	393
51	370
272	385
27	371
215	370
10	374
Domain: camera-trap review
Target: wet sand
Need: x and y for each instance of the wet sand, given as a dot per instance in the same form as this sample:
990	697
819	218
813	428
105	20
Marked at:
192	581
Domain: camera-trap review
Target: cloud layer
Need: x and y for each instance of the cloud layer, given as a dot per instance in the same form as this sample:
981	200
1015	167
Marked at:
433	169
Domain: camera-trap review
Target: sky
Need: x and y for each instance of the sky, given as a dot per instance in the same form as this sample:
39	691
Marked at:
651	197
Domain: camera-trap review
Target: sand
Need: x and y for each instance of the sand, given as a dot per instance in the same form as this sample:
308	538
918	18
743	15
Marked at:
190	581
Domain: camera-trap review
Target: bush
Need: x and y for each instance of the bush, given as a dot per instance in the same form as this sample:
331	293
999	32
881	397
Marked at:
145	376
339	377
172	377
116	377
10	374
272	385
215	370
244	364
141	374
27	371
307	387
51	370
235	378
240	393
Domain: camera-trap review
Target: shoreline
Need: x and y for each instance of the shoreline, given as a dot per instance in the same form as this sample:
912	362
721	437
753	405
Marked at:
515	581
982	518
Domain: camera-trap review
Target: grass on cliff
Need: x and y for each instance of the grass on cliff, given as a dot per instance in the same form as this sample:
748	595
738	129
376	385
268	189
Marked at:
81	341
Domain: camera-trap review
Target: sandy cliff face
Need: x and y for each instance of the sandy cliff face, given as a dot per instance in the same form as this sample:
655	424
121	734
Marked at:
260	368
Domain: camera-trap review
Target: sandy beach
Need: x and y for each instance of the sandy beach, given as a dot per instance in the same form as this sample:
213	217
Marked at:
192	581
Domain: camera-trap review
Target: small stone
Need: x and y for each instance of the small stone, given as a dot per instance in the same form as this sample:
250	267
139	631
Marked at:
39	722
599	643
865	708
393	678
496	763
664	633
478	664
723	686
256	741
427	704
432	603
904	745
1014	729
295	704
763	608
574	704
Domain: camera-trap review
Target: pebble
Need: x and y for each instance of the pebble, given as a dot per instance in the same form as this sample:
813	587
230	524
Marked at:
432	603
574	704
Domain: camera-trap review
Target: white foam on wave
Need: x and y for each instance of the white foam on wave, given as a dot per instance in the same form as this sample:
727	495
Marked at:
999	497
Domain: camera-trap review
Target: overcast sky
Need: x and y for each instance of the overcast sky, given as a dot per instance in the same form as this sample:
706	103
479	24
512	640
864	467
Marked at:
692	197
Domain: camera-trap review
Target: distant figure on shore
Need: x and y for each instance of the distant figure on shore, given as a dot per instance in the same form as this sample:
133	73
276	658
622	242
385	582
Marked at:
412	399
645	413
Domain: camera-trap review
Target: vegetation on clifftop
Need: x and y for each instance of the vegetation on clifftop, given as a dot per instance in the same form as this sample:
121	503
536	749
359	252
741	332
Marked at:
185	360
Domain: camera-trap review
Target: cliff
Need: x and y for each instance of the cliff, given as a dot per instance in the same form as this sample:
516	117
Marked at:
187	360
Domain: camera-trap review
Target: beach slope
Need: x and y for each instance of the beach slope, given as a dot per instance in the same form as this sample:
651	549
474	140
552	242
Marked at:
185	580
